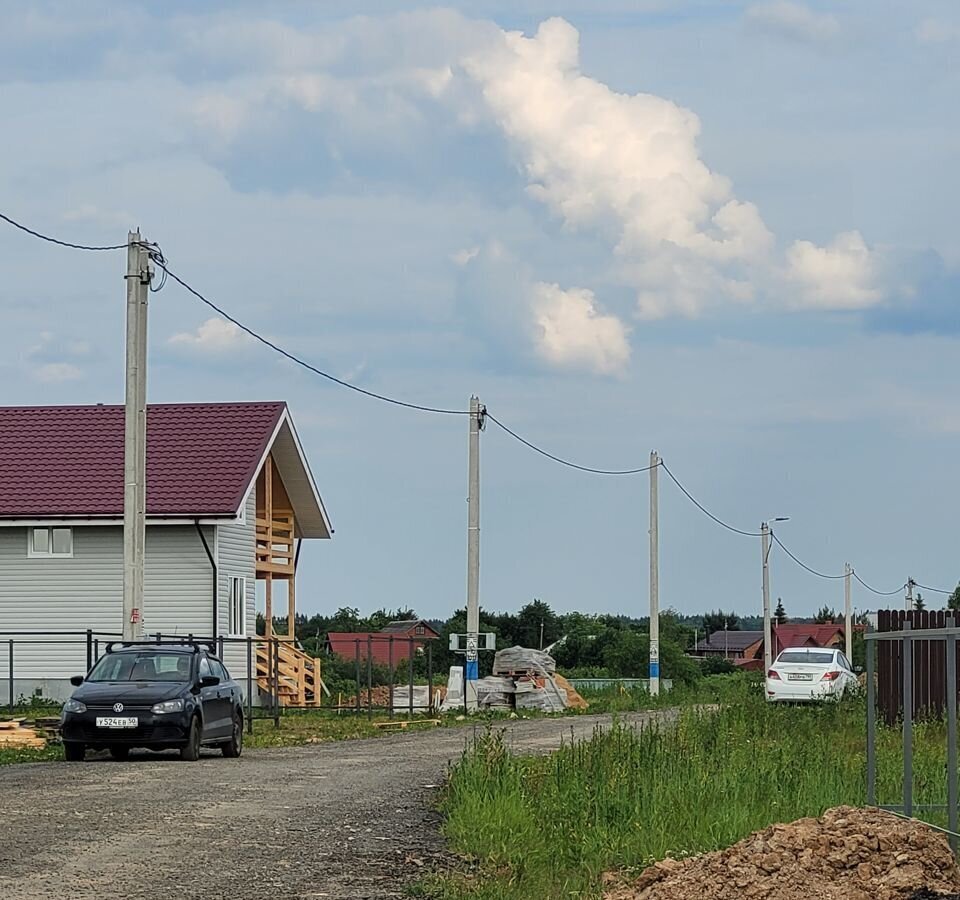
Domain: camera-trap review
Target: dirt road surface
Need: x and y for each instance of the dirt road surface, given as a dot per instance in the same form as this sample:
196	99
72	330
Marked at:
347	819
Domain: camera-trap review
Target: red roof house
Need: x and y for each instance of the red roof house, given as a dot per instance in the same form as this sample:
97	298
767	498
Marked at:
804	635
229	497
391	644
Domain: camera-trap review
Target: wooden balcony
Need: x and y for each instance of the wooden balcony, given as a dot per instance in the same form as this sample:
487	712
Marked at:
275	545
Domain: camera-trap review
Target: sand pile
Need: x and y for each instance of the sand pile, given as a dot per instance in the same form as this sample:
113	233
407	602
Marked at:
848	854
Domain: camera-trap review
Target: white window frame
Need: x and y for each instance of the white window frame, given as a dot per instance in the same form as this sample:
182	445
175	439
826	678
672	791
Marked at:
48	553
235	611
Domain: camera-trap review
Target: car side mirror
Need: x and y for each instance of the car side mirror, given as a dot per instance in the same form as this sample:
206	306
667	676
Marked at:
209	681
76	680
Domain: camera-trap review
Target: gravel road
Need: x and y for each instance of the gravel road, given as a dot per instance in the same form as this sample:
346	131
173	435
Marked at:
346	819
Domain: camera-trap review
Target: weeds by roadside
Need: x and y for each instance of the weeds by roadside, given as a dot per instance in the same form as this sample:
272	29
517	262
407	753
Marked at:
550	826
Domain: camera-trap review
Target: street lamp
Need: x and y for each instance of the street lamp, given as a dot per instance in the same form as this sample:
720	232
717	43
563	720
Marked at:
765	532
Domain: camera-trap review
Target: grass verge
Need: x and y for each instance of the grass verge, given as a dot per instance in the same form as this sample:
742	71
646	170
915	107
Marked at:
550	826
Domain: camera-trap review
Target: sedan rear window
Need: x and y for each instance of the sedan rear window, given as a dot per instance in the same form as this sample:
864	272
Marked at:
145	665
806	657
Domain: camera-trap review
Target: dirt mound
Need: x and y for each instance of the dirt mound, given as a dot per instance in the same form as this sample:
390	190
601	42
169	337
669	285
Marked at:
848	854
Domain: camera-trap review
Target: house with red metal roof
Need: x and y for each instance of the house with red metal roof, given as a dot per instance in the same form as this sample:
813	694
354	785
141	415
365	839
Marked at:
395	642
230	498
800	634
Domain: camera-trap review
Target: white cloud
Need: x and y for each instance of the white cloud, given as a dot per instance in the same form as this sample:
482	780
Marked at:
628	165
462	257
936	31
89	212
793	21
573	333
213	336
56	373
839	276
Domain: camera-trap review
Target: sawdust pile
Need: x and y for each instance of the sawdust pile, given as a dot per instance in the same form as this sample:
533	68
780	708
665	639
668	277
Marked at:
848	854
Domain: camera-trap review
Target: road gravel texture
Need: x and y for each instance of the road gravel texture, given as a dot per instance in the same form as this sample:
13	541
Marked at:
344	819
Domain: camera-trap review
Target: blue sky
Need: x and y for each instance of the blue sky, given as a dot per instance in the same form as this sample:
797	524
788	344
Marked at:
723	230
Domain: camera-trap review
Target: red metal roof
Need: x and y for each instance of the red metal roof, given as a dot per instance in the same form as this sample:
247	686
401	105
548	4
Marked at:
802	635
65	461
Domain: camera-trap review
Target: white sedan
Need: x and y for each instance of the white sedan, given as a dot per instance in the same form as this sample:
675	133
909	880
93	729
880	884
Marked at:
810	673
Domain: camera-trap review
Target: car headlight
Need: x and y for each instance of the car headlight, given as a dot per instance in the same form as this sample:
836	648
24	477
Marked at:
168	706
74	706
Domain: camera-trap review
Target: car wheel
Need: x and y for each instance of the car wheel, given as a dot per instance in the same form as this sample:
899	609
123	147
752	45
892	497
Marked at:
190	752
119	753
234	747
73	751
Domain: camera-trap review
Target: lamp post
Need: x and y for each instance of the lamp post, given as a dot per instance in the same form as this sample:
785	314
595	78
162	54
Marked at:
765	532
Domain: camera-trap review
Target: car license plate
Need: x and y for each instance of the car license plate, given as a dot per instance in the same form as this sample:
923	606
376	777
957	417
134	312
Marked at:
797	676
117	722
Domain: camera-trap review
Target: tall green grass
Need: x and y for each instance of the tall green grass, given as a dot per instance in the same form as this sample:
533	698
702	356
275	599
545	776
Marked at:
550	826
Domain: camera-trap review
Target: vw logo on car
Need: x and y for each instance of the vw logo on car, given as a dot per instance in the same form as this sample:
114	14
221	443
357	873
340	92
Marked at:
118	707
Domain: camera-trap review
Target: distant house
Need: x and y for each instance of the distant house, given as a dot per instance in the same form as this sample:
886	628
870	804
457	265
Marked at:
732	645
389	646
804	635
230	498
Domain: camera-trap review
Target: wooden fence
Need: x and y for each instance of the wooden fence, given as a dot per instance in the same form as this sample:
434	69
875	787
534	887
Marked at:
929	665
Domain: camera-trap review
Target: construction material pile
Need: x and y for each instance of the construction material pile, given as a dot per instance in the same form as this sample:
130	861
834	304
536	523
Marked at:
848	854
19	734
522	679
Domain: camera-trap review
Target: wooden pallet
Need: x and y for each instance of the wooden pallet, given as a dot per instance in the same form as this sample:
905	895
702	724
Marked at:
14	734
403	723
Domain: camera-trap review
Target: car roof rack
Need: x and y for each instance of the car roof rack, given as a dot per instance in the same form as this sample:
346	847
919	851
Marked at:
195	645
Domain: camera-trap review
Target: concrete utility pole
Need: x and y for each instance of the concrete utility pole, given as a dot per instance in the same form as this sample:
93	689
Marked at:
847	612
135	437
654	672
765	547
908	600
477	413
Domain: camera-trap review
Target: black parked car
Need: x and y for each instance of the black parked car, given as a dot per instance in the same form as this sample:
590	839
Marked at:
158	696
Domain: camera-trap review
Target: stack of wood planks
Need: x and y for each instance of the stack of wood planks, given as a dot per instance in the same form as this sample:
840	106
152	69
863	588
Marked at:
15	734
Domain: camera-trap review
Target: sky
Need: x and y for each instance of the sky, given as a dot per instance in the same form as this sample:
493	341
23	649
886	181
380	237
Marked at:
725	231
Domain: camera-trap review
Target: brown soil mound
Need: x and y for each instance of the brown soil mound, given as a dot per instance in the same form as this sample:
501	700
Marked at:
848	854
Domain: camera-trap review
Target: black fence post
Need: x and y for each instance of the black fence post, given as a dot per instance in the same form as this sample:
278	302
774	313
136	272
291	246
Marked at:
390	666
10	666
430	677
356	650
871	724
411	678
369	677
276	684
950	646
220	647
89	649
96	650
249	685
908	726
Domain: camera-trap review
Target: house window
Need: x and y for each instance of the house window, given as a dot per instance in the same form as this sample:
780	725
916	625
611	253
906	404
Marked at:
50	542
238	606
419	630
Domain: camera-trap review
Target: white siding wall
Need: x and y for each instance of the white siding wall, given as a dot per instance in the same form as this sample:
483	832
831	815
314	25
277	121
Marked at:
236	549
86	591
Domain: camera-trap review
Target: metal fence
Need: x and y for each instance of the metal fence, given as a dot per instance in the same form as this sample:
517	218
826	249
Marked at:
35	666
928	684
914	666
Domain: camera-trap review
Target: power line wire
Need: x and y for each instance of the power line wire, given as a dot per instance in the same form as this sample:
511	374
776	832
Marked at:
927	587
874	590
703	509
561	460
800	562
53	240
301	362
